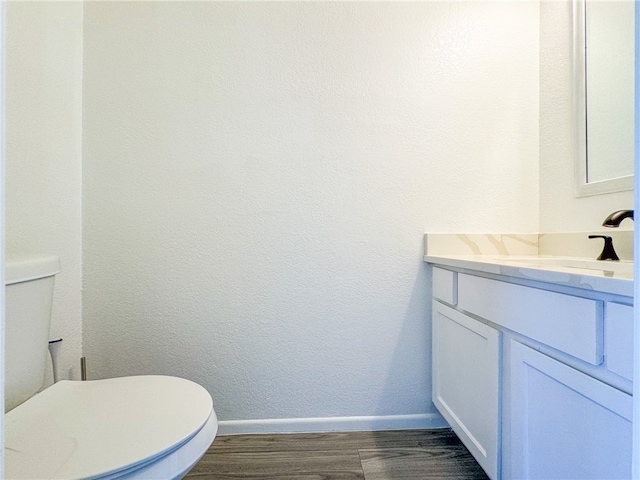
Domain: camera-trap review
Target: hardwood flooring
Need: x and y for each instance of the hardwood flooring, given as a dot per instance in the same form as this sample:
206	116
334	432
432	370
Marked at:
388	455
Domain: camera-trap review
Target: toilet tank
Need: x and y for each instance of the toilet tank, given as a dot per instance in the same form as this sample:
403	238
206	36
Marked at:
29	294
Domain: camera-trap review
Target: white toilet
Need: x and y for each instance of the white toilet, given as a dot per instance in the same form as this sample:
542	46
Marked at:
151	427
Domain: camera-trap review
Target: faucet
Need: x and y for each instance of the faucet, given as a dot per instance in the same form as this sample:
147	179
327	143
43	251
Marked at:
614	220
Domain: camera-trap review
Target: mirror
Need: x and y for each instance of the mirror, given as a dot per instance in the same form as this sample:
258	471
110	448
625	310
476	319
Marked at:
604	70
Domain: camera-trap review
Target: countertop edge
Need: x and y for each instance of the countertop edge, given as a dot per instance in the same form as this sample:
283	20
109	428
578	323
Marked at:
555	275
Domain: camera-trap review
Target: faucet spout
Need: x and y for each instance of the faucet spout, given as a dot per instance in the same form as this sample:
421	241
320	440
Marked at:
614	220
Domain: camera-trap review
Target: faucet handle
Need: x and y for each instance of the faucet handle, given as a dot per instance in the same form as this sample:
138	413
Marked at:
608	253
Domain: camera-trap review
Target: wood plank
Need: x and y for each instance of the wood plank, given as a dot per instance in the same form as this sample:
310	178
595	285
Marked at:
332	441
295	476
436	462
308	465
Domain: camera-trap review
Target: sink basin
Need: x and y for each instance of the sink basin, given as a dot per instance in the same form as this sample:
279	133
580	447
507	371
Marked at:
625	267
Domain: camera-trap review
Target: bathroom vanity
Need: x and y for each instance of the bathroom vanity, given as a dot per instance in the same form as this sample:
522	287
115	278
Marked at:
532	362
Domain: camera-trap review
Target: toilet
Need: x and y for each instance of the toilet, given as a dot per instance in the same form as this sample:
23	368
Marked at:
140	427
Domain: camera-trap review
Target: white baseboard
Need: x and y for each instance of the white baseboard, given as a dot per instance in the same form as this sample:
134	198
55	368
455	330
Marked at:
332	424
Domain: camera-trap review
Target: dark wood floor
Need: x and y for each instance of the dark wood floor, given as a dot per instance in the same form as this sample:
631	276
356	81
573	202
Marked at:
397	455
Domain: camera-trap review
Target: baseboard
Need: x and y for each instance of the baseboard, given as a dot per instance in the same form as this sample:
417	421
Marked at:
332	424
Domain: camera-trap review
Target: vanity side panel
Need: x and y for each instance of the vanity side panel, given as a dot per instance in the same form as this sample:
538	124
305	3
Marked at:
573	325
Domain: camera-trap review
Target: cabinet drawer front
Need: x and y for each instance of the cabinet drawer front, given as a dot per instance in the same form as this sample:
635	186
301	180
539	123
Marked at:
565	424
570	324
619	339
445	285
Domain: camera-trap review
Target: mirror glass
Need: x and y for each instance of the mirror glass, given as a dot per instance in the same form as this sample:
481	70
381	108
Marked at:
605	60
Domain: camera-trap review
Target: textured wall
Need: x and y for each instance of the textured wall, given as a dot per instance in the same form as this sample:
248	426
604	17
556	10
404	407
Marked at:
258	178
560	210
44	165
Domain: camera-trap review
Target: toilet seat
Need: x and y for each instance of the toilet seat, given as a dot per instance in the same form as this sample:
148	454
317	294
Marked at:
109	428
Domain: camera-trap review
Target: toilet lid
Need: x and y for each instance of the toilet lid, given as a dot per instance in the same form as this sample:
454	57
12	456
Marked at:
95	428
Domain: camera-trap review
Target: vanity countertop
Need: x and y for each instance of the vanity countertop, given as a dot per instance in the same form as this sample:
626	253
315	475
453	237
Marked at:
584	273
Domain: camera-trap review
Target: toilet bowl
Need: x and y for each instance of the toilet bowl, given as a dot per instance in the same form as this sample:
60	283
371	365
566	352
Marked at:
153	427
110	428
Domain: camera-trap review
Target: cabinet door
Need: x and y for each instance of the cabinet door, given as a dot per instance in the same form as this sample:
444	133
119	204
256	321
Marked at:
565	424
466	356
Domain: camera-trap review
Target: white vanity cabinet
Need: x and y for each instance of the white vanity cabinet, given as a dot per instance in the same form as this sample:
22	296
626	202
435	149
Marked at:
535	382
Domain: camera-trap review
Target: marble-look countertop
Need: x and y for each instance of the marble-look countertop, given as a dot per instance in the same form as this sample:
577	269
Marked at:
545	269
540	258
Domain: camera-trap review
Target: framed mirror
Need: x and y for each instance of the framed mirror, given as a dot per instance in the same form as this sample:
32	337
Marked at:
604	95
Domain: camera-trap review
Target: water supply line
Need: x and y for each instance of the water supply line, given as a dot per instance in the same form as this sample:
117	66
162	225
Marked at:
54	351
83	368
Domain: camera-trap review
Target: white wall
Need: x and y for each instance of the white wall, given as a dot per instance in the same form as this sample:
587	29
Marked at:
560	210
43	167
258	178
258	187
